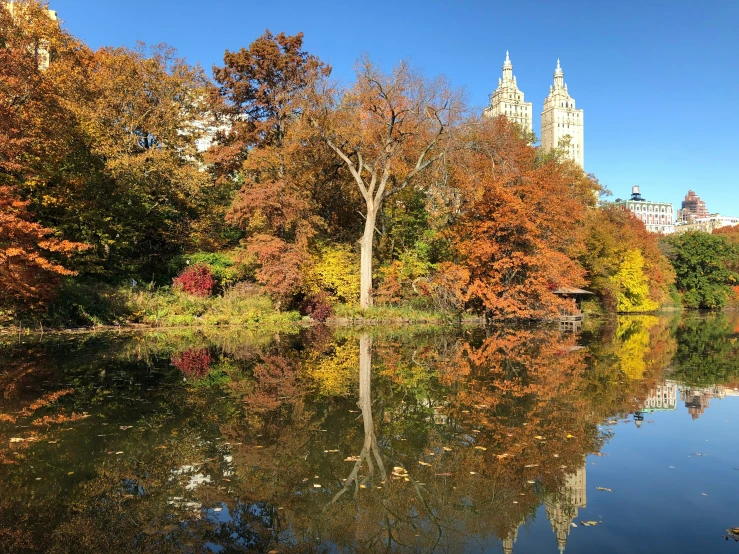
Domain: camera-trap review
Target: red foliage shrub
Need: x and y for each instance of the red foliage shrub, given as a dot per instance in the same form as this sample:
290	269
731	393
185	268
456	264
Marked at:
197	280
194	362
317	306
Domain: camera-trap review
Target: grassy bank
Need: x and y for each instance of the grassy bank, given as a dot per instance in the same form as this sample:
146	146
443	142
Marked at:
94	305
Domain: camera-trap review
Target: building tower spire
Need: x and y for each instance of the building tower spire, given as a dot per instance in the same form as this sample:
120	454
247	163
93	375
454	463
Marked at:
507	68
559	76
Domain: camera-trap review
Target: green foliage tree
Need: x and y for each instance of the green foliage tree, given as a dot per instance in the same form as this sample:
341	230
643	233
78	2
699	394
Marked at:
702	263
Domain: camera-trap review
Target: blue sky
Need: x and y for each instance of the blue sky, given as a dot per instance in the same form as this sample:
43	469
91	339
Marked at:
658	79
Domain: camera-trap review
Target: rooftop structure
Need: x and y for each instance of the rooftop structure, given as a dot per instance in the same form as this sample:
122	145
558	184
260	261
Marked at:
657	216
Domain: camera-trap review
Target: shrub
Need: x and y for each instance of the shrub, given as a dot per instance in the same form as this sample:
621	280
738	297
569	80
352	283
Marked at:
227	267
317	306
196	280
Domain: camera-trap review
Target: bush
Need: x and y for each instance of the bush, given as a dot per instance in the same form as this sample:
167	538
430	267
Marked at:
317	306
196	280
227	267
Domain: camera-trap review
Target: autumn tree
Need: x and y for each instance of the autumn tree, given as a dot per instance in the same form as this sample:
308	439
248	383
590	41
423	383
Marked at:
32	135
387	129
287	180
30	255
519	228
615	240
136	187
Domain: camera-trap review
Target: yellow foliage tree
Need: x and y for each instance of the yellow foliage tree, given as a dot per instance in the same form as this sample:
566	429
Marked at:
632	285
334	270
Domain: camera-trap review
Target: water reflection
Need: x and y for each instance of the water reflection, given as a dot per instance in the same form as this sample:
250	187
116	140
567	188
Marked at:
321	440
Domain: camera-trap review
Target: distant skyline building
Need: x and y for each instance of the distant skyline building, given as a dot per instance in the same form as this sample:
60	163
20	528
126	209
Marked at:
692	208
562	125
657	216
508	99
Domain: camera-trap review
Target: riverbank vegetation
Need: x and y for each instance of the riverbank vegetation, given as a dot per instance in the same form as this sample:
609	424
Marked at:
136	189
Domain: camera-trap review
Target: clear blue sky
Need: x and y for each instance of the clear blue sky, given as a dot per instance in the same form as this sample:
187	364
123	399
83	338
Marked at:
658	79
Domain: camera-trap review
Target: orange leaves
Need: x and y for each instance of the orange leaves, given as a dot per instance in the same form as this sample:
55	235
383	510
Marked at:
28	270
519	230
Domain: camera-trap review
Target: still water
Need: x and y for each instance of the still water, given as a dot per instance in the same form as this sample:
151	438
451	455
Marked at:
624	438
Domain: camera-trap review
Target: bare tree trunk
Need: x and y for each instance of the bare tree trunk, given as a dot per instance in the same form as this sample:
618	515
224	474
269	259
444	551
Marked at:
365	280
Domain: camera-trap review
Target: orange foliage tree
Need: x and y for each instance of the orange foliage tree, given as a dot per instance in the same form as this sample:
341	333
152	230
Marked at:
519	227
282	168
31	123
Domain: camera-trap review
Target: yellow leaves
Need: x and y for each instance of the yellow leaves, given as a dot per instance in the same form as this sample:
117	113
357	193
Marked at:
424	463
539	437
480	448
335	270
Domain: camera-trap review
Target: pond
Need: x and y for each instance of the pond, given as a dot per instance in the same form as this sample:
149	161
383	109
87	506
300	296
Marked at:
425	439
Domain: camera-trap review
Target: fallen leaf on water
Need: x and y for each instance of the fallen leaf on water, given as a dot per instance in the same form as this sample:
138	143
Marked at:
671	467
539	437
501	456
531	482
217	509
125	427
556	455
54	441
704	494
573	524
604	489
442	474
480	448
424	463
532	465
119	452
316	486
352	459
569	436
589	523
329	451
473	473
70	473
447	449
17	439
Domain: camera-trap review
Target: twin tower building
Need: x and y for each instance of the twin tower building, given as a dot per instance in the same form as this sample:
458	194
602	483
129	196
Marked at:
561	122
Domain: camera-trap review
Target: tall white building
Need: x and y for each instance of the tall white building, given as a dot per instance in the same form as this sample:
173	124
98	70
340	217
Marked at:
508	100
561	122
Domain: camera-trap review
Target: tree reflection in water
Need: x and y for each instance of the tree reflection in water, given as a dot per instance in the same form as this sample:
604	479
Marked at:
463	435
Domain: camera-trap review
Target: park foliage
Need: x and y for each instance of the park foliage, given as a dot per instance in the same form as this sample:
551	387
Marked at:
122	169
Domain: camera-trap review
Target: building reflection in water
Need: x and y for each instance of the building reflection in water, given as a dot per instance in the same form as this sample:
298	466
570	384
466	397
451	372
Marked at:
561	508
697	399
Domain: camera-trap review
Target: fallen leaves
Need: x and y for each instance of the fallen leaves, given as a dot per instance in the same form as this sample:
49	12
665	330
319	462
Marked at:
589	523
605	489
